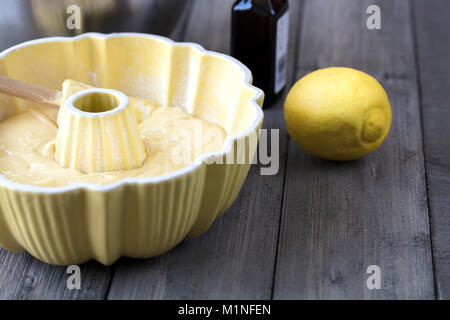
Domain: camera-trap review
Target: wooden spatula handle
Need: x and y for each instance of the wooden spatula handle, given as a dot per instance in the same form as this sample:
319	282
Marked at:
29	91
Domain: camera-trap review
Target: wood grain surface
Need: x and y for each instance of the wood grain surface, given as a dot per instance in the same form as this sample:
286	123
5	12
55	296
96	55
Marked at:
341	217
432	27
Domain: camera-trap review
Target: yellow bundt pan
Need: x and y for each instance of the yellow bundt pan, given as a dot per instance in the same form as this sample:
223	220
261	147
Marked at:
135	217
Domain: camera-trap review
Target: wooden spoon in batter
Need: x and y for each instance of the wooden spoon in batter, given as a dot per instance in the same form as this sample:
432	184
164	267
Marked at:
30	92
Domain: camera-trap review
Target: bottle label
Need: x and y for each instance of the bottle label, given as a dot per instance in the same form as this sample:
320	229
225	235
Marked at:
281	52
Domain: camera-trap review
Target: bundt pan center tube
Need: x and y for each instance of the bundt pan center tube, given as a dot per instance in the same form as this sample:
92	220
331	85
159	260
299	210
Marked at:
89	121
136	217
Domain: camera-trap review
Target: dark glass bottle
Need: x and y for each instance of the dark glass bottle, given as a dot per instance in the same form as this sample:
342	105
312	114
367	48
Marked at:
259	39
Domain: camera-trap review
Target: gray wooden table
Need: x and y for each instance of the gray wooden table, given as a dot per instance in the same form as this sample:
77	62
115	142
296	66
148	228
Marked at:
311	231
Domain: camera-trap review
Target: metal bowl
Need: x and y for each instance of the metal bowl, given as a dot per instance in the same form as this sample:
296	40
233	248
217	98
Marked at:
27	20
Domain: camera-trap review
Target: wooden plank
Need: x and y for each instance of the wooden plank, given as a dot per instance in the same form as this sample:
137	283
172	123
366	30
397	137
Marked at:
180	29
339	218
235	258
23	277
433	45
209	25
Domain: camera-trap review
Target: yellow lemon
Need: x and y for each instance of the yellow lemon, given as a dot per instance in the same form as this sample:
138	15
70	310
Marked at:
338	113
